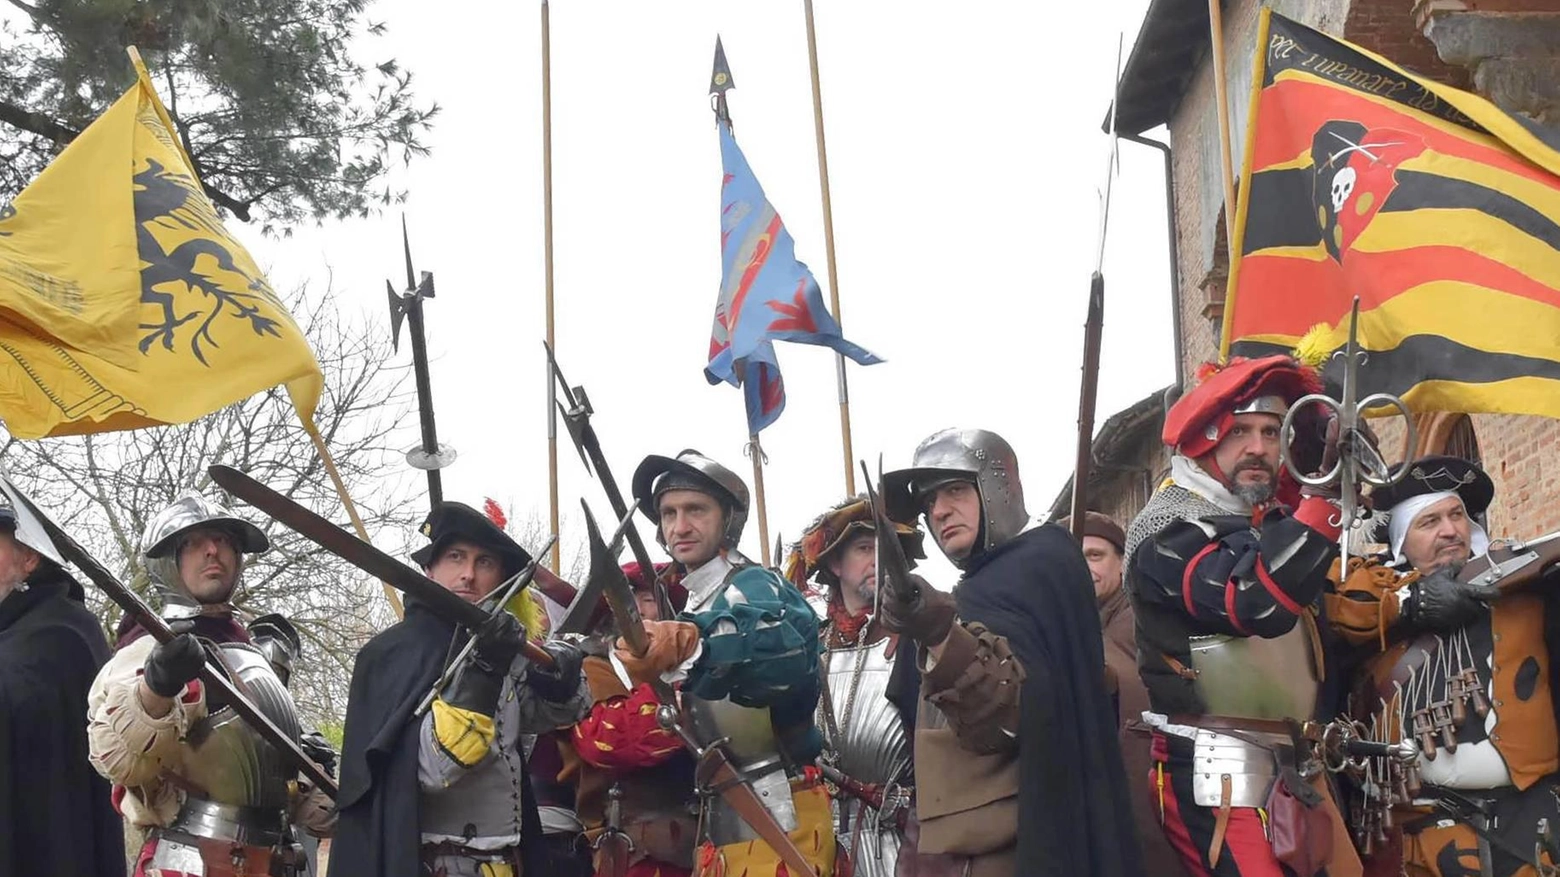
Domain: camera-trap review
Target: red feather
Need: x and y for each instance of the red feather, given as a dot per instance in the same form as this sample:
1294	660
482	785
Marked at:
495	513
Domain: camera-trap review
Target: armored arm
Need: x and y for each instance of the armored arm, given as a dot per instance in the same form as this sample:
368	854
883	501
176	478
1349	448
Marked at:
975	683
1235	578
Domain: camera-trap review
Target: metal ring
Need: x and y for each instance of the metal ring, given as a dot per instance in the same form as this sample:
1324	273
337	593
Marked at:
1410	434
1331	476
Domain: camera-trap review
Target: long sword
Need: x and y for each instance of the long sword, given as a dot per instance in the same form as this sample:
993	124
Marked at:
441	602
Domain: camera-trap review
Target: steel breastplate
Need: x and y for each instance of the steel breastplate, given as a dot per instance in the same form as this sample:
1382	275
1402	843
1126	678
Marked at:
227	759
1255	677
755	753
872	746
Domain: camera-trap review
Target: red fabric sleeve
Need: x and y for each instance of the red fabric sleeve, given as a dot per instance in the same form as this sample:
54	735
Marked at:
621	732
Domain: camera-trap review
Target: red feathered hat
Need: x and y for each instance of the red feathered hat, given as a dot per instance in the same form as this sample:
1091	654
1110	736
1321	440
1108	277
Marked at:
1199	419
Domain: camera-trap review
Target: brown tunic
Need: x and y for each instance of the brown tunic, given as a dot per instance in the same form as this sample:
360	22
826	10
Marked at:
1119	628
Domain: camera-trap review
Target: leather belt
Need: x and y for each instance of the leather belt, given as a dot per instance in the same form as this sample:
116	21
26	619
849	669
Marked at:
1232	723
219	858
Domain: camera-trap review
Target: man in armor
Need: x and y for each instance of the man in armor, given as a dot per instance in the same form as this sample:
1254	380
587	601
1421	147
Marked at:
864	737
1467	675
635	777
1226	578
745	650
448	793
1104	549
1017	767
56	818
214	797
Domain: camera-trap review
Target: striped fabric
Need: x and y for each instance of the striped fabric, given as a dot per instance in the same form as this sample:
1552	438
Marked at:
1435	207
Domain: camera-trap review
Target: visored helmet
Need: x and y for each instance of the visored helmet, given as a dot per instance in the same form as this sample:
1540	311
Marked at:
691	470
978	456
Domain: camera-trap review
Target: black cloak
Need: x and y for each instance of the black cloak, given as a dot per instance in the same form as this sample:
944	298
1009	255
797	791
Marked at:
1074	809
377	833
56	817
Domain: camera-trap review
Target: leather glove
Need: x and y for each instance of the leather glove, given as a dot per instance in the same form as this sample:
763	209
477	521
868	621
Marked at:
1364	444
1439	602
671	643
927	617
173	665
559	682
477	686
319	751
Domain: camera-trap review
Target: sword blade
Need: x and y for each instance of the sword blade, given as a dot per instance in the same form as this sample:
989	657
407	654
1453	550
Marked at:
158	629
360	554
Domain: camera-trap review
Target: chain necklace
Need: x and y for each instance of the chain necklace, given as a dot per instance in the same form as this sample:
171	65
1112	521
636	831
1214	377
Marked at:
825	704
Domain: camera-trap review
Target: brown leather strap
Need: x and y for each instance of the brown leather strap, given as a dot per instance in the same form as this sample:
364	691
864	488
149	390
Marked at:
1221	823
1179	668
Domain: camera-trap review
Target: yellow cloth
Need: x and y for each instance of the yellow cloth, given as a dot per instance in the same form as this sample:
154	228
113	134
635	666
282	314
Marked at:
464	734
814	836
123	300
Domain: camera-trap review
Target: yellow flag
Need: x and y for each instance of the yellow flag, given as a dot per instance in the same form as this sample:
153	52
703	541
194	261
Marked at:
123	301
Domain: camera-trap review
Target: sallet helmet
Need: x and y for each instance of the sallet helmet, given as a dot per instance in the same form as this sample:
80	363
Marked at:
975	455
160	544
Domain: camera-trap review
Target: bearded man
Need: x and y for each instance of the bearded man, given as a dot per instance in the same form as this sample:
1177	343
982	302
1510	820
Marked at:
864	736
213	796
1226	572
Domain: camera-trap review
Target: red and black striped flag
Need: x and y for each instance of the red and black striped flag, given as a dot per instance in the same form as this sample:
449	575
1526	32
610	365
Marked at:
1435	207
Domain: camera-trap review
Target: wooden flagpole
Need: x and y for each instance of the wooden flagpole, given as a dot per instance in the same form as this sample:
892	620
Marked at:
1221	97
547	258
756	452
828	246
341	490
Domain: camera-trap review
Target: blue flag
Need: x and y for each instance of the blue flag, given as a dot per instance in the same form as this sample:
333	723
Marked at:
766	295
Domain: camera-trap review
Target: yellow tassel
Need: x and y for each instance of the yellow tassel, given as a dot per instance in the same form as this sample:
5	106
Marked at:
1315	345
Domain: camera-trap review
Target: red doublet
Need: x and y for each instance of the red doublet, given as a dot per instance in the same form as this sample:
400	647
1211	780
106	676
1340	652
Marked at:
622	733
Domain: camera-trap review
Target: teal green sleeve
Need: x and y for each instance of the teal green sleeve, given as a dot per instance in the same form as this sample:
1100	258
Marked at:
760	647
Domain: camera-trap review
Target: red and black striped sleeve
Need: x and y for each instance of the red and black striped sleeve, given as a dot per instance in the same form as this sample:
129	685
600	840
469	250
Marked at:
1230	575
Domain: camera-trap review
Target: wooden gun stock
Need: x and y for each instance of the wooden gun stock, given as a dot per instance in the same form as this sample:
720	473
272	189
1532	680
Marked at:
1514	566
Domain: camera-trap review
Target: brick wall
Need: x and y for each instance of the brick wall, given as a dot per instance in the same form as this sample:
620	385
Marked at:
1522	454
1391	28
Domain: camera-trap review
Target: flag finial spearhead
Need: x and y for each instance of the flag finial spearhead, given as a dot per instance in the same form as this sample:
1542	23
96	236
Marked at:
720	83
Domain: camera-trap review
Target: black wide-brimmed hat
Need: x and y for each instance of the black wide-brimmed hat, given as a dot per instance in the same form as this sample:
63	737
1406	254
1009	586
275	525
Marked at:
1439	474
456	520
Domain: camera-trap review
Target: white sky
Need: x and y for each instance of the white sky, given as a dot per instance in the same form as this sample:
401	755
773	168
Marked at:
965	152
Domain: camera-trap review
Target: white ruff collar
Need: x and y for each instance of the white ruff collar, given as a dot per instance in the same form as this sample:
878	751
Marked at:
1185	473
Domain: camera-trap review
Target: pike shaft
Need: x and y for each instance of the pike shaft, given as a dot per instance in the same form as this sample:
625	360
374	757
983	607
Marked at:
1092	329
828	247
430	436
547	258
